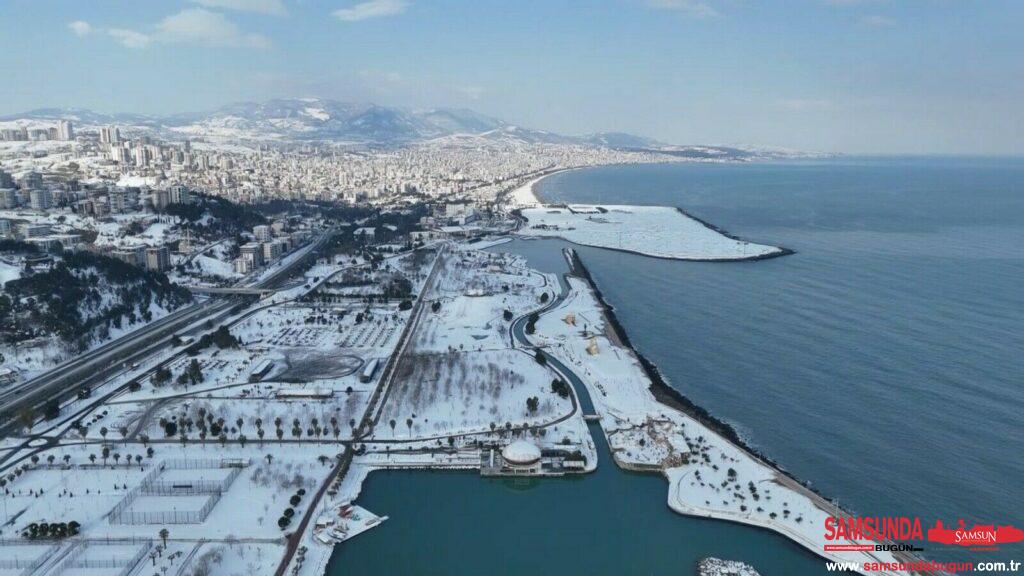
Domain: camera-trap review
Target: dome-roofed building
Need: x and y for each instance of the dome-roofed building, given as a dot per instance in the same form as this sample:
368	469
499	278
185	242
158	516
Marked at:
522	456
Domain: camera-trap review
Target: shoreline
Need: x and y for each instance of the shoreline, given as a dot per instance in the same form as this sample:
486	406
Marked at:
669	396
663	391
525	196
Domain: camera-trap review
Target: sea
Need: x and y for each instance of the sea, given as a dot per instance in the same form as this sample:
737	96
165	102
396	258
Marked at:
882	362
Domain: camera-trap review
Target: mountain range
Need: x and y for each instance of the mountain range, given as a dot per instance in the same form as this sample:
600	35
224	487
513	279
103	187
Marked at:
318	119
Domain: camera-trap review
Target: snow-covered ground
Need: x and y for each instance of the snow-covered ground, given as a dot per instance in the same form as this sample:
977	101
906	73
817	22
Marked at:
460	392
8	272
524	196
660	231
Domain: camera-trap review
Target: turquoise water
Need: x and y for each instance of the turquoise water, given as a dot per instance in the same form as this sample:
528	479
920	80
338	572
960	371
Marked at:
609	523
882	362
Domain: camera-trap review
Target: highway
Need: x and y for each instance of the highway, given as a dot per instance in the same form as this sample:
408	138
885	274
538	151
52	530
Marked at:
100	363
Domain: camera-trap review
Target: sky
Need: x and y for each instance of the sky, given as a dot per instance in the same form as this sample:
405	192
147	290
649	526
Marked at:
853	76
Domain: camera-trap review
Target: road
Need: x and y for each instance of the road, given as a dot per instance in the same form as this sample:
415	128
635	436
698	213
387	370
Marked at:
368	421
99	364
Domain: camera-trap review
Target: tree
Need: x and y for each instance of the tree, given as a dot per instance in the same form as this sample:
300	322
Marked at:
531	323
164	533
408	423
532	404
540	358
195	372
392	424
161	376
27	417
224	339
507	314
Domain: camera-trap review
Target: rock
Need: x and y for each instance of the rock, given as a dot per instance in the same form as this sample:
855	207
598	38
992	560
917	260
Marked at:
719	567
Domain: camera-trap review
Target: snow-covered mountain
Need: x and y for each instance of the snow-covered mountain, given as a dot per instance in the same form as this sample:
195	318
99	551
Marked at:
297	119
320	119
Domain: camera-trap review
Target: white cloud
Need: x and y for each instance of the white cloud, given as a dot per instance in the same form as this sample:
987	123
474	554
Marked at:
689	7
876	21
191	26
200	26
130	38
80	27
371	9
271	7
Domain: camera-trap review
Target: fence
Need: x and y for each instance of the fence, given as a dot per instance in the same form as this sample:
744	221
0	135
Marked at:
170	516
126	565
152	486
27	564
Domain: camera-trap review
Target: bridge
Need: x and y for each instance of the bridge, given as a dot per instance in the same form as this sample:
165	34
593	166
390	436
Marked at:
230	290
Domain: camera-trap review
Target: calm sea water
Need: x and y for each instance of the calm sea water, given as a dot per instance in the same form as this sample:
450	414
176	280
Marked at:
883	362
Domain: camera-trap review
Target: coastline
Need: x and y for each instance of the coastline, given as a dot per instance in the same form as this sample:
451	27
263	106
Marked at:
669	396
662	390
525	196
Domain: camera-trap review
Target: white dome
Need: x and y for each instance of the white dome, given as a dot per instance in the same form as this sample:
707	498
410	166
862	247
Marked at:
521	452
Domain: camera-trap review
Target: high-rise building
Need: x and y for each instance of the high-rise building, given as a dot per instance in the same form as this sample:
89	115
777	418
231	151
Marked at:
158	259
179	195
262	233
5	228
31	180
40	199
135	256
119	154
160	199
253	252
65	131
8	198
273	250
110	135
118	202
6	181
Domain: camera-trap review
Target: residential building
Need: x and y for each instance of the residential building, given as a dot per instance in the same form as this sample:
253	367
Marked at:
65	131
262	233
158	258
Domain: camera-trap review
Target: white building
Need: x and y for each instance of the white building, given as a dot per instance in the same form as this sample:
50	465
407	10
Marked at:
65	131
262	233
522	457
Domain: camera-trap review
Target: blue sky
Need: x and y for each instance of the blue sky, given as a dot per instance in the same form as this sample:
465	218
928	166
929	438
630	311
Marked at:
886	76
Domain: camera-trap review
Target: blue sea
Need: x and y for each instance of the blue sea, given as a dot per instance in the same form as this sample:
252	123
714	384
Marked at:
883	362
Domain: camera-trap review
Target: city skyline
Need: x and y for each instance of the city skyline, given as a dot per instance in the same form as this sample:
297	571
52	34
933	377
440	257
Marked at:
854	76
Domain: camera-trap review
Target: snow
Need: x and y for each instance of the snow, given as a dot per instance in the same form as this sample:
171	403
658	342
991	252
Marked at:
521	452
8	272
719	567
136	181
318	113
523	196
659	231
